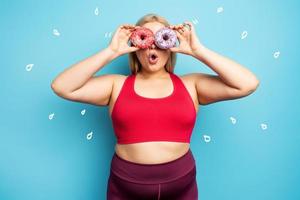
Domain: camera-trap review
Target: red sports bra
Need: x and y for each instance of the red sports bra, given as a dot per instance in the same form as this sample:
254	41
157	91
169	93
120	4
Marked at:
141	119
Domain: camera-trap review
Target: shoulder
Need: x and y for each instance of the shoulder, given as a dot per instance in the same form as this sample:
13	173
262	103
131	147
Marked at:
119	80
111	77
188	81
114	79
189	78
196	78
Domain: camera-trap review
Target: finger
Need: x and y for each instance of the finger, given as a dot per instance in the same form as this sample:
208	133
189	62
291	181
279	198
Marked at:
180	26
133	48
118	30
174	49
128	33
186	27
176	27
181	31
185	31
136	27
190	24
180	37
131	27
128	25
120	27
123	26
130	30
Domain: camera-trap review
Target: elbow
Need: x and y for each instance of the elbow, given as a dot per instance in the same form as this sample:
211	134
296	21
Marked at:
255	85
53	86
59	91
56	89
252	87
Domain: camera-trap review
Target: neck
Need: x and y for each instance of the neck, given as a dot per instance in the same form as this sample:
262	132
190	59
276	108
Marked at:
149	75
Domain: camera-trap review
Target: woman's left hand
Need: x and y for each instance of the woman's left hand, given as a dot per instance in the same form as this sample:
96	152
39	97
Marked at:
188	41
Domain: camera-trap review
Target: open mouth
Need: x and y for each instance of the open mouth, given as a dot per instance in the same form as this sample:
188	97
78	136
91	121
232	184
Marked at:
153	58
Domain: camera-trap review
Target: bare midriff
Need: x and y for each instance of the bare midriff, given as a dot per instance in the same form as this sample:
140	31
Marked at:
152	152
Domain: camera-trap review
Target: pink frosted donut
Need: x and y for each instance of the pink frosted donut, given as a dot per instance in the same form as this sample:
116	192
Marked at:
142	38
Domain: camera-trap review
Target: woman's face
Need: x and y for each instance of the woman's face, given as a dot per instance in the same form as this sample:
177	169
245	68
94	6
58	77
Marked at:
145	56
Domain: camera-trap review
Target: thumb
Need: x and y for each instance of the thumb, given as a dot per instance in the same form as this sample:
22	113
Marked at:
174	49
133	48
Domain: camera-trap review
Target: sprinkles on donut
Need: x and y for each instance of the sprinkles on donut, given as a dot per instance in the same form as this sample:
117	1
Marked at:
142	37
165	38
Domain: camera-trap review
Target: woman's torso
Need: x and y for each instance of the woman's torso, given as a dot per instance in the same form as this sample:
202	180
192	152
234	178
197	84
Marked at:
153	152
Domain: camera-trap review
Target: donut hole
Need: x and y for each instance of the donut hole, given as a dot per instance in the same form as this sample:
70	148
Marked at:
143	37
165	37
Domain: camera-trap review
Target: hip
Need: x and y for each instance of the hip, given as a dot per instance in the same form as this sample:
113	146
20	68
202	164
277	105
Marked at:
153	173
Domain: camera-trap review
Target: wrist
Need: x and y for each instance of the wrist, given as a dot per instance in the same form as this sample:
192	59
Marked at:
199	51
111	53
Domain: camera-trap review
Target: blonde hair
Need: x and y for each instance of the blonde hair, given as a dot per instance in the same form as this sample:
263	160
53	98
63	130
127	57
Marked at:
134	63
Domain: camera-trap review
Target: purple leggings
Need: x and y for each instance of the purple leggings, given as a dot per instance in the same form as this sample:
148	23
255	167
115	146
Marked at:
174	180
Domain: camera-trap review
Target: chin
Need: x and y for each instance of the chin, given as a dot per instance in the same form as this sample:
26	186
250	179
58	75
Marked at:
152	68
155	68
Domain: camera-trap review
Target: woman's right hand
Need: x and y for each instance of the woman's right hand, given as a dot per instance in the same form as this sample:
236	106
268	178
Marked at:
119	41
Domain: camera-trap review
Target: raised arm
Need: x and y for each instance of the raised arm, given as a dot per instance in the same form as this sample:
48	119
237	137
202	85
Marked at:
232	80
78	83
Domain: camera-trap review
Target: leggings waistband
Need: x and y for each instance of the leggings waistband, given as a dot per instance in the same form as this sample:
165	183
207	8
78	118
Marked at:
152	173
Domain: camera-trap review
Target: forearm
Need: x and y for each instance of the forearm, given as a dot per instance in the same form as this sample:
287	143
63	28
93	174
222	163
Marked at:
231	72
78	74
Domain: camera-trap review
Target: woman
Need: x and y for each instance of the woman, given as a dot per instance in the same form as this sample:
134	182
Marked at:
154	110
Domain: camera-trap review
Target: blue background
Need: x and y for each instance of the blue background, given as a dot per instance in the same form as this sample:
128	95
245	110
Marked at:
52	159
